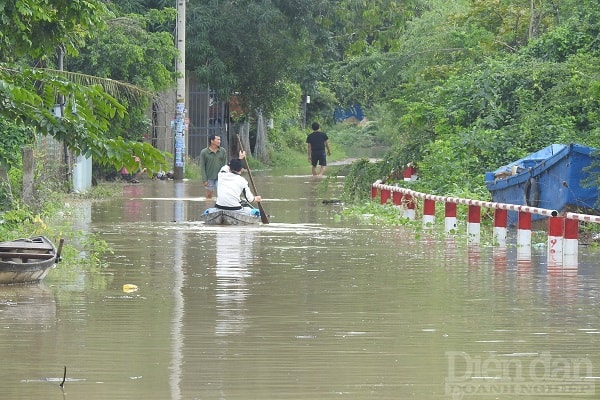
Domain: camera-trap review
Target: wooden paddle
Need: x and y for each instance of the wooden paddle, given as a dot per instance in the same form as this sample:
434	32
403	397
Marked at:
263	215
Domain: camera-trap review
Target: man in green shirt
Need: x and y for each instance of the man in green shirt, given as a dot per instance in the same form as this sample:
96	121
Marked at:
212	159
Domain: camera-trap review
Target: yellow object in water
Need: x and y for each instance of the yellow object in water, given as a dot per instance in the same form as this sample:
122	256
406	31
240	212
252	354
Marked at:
128	288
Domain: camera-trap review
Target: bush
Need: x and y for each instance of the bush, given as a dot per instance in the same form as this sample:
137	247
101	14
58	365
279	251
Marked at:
357	185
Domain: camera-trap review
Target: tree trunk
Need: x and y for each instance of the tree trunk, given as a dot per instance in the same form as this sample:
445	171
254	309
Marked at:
28	168
260	148
535	16
6	198
245	137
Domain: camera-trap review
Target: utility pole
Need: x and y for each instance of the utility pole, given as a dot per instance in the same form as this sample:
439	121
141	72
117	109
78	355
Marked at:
59	110
179	125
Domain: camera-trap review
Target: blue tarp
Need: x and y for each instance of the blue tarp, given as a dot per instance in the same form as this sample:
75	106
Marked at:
340	114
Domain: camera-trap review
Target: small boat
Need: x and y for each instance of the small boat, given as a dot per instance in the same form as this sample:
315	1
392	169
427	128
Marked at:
27	260
216	216
558	177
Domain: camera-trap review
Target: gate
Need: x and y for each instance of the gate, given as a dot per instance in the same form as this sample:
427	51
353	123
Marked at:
207	115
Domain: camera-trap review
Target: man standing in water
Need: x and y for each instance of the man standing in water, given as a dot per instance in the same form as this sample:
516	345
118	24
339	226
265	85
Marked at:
212	159
317	143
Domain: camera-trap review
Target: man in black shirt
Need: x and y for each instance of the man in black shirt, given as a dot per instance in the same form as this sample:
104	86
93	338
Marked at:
317	143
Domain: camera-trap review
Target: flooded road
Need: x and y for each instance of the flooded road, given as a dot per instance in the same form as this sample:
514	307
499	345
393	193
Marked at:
310	306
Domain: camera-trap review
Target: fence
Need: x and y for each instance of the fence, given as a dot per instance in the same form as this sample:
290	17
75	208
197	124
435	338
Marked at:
563	230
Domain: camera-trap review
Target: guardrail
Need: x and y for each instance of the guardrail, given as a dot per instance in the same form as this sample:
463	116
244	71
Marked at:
563	230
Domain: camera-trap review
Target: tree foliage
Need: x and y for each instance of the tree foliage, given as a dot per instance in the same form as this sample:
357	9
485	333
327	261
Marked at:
29	96
250	47
128	51
31	30
36	28
493	82
139	50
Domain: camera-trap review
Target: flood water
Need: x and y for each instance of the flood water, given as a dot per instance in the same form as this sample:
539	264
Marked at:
310	306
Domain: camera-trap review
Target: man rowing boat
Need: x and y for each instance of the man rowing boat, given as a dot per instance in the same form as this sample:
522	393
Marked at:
232	186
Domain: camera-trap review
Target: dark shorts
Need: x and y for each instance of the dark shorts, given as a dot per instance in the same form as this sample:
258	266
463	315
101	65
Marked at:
318	157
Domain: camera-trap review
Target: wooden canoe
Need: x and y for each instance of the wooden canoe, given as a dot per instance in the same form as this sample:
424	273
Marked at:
27	260
216	216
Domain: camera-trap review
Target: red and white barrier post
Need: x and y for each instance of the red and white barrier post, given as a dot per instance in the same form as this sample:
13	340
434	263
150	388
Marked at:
555	241
373	192
410	173
474	224
571	243
524	229
428	213
450	217
385	195
397	198
500	226
409	206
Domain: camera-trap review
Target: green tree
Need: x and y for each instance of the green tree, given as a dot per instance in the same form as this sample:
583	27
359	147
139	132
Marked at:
140	6
134	49
31	29
29	96
492	82
252	47
37	28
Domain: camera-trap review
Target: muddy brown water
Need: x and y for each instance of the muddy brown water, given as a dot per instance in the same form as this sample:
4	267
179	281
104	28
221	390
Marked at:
310	306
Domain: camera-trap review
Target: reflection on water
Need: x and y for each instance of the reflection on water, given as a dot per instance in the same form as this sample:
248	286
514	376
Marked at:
307	307
179	205
133	206
26	304
500	258
178	313
563	287
234	253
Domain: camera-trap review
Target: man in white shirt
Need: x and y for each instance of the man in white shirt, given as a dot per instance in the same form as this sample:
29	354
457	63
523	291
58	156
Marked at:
232	185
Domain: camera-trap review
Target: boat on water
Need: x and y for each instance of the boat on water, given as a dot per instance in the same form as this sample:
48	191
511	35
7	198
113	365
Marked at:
27	260
216	216
558	177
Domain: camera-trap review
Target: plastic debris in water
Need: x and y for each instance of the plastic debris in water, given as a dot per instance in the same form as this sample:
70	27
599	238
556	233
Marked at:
128	288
